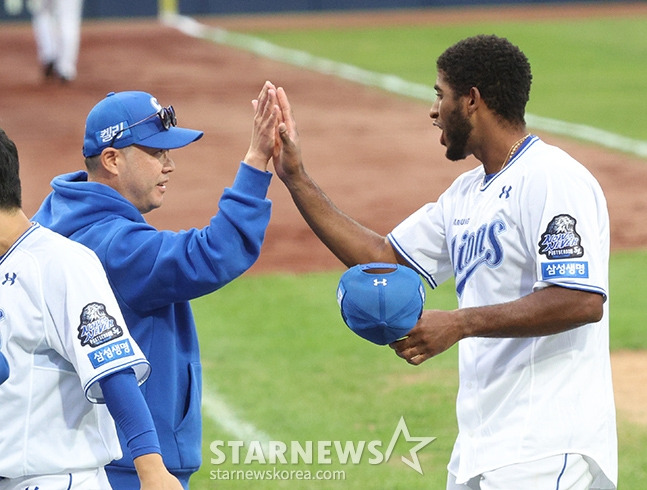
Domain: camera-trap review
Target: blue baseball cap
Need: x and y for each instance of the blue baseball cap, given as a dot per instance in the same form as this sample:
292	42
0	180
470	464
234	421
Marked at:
380	302
127	118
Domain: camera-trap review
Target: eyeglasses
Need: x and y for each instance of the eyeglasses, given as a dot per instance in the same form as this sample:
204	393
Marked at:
167	117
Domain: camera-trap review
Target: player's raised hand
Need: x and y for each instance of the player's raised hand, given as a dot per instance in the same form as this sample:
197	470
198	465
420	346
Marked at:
287	157
266	114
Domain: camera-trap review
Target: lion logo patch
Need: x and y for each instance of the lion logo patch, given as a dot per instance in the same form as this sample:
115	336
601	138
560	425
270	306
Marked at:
97	326
561	240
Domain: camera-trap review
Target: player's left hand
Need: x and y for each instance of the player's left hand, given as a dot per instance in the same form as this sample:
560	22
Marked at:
435	332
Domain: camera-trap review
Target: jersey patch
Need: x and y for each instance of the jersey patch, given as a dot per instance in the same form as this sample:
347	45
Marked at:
97	326
560	240
564	270
111	352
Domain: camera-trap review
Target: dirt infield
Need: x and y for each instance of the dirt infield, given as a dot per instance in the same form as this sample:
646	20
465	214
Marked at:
376	155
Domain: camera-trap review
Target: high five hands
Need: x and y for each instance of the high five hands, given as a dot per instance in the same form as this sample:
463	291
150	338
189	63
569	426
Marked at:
274	134
437	330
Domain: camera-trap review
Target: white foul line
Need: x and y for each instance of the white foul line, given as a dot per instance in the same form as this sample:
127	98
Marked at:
214	407
390	83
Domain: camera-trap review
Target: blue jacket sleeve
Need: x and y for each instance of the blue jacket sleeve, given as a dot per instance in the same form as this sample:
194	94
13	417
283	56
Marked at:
150	269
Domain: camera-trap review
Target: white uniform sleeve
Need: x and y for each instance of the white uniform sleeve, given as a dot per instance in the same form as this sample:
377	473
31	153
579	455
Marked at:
421	240
568	226
88	328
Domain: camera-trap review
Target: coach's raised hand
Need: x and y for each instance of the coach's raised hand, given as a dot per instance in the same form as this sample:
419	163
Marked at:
266	115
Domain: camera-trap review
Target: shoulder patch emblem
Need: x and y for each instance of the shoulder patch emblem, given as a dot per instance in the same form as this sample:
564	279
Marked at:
97	326
560	240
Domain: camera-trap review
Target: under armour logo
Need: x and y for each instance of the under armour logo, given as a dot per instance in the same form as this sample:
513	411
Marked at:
377	282
11	279
505	192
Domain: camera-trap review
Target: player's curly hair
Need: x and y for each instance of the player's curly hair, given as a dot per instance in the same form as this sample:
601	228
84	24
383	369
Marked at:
10	189
498	68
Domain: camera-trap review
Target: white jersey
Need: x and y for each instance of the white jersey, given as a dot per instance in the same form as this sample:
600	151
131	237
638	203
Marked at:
540	221
61	331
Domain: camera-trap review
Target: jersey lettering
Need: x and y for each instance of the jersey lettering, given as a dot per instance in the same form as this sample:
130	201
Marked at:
111	352
564	270
475	249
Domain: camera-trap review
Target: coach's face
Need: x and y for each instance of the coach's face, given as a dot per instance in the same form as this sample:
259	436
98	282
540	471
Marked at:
143	175
448	113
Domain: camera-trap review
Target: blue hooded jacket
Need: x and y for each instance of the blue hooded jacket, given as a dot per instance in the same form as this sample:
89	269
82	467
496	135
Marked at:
154	274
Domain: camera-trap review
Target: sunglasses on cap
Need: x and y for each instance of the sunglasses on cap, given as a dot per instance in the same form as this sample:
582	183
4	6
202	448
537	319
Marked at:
167	117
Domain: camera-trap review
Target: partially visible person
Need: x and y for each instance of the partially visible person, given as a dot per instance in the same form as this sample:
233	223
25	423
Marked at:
525	236
4	367
74	365
154	273
57	31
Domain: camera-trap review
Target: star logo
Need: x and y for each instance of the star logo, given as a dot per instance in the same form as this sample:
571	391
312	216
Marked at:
414	462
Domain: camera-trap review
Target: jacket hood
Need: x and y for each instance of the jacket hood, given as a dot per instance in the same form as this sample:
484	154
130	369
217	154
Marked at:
75	203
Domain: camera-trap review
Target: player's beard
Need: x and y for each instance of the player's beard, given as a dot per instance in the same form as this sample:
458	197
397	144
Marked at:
457	131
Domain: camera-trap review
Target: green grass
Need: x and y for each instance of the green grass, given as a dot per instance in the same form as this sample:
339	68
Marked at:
627	311
276	350
274	347
632	448
586	71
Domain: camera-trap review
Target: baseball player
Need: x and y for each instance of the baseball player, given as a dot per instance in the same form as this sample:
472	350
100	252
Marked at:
4	368
155	273
57	31
73	362
526	238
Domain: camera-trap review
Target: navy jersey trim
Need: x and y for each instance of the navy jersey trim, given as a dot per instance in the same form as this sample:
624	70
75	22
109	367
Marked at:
22	237
522	149
428	277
